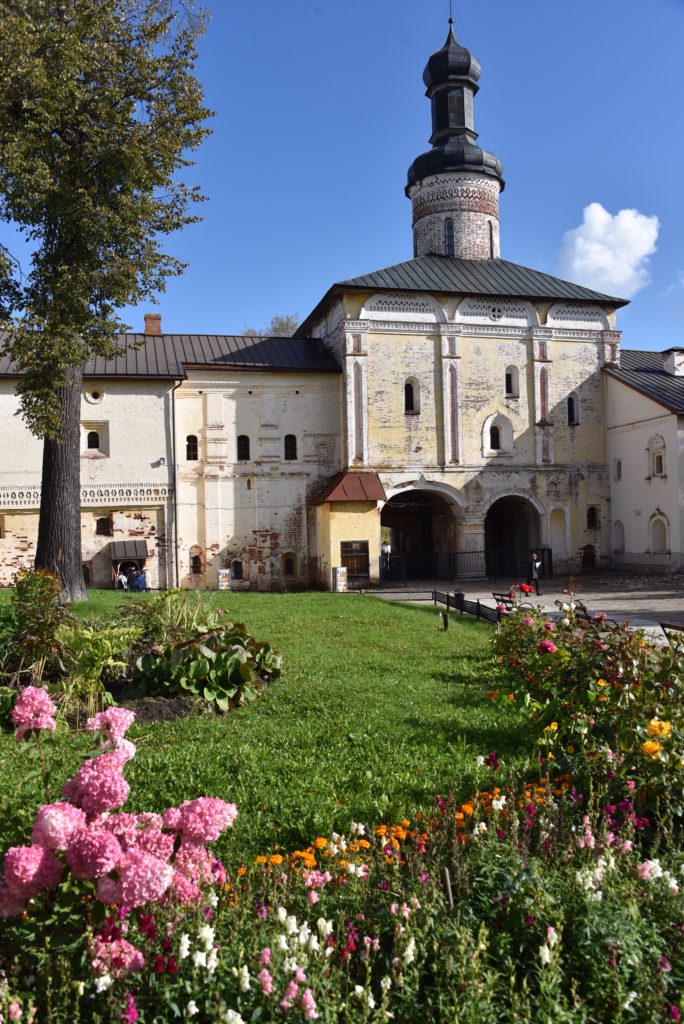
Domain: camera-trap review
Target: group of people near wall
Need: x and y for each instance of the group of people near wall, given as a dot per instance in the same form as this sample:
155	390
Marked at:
132	579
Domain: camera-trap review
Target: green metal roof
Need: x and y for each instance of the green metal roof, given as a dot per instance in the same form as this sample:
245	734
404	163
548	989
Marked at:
445	274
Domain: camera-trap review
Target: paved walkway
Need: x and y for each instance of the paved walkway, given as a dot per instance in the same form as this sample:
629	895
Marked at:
643	601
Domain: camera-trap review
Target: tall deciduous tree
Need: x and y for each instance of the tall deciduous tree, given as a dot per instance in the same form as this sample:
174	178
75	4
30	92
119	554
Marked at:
99	108
279	326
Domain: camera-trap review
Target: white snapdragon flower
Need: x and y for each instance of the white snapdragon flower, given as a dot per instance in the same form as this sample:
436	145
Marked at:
199	958
314	944
184	946
304	934
410	951
629	1000
551	936
103	983
498	803
243	978
233	1017
324	927
206	936
291	925
357	829
212	960
358	991
281	914
545	954
192	1008
371	1001
386	983
212	899
281	942
479	761
481	827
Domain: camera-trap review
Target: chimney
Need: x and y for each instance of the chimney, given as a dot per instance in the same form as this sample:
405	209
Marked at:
673	362
153	323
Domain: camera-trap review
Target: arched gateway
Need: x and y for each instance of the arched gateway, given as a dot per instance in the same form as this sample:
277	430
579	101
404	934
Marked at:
420	531
512	531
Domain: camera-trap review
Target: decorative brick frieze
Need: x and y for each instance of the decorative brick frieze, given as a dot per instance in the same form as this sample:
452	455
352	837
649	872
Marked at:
101	495
456	215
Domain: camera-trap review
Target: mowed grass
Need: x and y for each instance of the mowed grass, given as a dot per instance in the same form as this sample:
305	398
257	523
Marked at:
377	711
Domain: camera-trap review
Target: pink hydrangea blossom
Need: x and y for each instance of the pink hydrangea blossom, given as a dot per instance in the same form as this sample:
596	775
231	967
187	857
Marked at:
203	819
98	785
547	646
113	724
182	889
28	869
56	825
34	710
143	878
93	853
116	958
140	831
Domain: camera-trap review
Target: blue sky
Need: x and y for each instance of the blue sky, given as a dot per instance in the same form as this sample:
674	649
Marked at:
320	109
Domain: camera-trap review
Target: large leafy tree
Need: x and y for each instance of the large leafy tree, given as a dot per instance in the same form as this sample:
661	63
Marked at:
99	109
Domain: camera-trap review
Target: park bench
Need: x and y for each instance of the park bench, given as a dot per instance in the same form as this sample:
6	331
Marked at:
674	634
507	601
586	618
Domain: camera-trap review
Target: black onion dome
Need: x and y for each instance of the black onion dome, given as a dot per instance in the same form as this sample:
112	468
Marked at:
452	61
451	76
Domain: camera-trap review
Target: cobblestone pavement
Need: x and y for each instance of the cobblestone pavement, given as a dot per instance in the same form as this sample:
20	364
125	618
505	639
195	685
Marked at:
643	601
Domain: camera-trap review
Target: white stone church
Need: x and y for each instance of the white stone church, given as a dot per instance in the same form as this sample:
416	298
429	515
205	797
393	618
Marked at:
436	419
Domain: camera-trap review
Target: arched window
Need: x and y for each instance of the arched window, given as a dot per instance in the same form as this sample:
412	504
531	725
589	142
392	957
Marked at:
290	447
491	239
449	236
411	396
592	517
544	395
288	567
511	380
196	565
408	397
658	536
573	411
93	440
289	564
191	448
656	456
495	438
243	448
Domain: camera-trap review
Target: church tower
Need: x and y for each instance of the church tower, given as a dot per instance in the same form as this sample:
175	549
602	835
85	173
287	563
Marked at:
454	187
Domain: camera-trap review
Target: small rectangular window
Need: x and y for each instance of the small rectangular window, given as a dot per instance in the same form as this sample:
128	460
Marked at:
509	383
657	465
617	475
290	447
237	570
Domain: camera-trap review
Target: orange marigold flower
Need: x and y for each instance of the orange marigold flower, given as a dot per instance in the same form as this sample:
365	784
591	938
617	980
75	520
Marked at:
261	859
656	727
242	871
275	858
467	808
492	695
510	696
406	822
651	749
381	830
364	844
320	843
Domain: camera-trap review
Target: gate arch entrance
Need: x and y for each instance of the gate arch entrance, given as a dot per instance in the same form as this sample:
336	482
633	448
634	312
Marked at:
512	531
422	527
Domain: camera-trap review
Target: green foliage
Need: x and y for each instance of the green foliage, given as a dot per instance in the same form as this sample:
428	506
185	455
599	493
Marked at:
39	616
600	695
221	665
98	109
172	616
8	696
87	653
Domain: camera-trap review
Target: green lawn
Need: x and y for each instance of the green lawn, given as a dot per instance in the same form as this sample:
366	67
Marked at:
377	711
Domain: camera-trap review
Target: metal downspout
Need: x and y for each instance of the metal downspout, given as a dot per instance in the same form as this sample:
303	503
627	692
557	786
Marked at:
175	481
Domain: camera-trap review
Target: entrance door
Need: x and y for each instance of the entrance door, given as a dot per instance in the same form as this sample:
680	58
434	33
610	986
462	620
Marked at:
354	557
511	533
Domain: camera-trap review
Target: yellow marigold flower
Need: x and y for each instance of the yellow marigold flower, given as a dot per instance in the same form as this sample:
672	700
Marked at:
651	749
553	727
570	749
320	843
275	858
657	728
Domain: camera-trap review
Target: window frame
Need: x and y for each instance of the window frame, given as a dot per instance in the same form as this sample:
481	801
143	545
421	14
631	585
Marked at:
191	445
240	444
290	448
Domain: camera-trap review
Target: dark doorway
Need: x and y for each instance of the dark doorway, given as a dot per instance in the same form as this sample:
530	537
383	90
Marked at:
354	558
511	533
424	538
588	558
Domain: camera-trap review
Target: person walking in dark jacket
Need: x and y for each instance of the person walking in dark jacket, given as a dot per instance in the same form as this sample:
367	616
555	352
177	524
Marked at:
533	566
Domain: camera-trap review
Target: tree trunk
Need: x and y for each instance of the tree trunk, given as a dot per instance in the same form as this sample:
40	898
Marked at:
59	527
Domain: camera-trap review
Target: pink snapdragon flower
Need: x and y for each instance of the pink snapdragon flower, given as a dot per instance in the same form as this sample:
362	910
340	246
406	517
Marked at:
93	853
266	981
316	879
34	710
117	957
56	825
28	869
309	1005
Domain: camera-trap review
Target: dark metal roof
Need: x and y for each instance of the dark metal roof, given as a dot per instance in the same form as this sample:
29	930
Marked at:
353	487
169	356
496	278
644	372
120	549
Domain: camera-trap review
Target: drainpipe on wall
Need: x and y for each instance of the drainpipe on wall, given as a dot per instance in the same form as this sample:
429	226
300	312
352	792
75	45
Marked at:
175	480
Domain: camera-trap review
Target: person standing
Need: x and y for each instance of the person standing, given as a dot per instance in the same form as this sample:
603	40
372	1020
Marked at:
533	567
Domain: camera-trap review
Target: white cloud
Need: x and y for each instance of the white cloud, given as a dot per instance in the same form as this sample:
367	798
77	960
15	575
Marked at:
610	253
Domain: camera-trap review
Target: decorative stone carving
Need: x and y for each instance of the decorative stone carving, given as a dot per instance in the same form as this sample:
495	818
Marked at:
572	315
404	306
504	312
